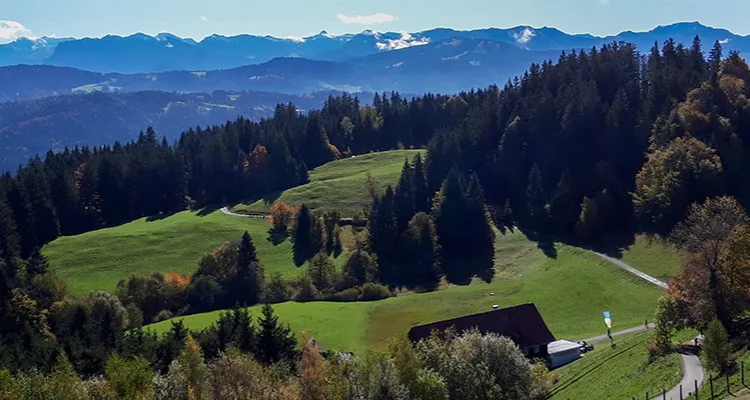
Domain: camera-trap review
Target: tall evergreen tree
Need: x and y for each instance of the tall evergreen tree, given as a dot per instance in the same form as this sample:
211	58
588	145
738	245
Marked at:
275	341
565	207
248	280
9	240
536	202
422	200
382	234
303	241
420	247
403	201
449	208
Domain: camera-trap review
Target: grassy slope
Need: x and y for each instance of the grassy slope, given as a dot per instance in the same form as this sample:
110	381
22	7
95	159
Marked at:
619	373
98	260
340	185
570	290
655	257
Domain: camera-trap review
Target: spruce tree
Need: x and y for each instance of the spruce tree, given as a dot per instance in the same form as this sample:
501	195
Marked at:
247	284
449	213
565	207
382	234
403	202
421	251
422	200
9	239
37	264
481	237
302	238
275	341
535	200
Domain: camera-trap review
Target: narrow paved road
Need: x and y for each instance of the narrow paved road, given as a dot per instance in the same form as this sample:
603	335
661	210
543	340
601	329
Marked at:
692	371
618	333
226	211
632	270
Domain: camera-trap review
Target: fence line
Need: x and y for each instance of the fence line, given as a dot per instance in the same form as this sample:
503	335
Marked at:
718	387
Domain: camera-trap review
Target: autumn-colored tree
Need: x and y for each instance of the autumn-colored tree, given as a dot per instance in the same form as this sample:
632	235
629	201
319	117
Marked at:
714	279
193	372
281	216
313	371
687	170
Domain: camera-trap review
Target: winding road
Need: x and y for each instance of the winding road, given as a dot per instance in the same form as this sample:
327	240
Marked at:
692	370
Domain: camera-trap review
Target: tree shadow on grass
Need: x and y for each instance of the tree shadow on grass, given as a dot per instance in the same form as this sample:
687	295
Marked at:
158	217
208	210
276	237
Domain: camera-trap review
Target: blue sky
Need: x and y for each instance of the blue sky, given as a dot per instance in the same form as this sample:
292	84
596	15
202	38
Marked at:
200	18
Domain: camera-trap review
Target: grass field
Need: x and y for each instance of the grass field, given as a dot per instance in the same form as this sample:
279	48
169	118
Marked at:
617	373
655	257
340	185
98	260
571	290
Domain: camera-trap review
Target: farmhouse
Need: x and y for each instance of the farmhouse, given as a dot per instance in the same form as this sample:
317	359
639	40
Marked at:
523	324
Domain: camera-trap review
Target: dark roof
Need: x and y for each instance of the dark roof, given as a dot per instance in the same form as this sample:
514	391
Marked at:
523	324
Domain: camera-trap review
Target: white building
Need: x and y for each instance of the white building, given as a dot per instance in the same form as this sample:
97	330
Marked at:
562	352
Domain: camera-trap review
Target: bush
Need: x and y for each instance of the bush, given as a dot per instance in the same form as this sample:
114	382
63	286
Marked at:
277	290
352	294
163	315
374	291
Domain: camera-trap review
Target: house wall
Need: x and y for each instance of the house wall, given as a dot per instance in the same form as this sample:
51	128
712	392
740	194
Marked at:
565	357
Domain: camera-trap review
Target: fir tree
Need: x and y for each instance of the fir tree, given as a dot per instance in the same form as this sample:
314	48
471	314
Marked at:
422	200
248	280
535	200
403	201
565	207
302	237
275	342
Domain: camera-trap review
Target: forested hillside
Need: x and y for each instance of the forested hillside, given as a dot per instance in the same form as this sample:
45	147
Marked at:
33	127
600	144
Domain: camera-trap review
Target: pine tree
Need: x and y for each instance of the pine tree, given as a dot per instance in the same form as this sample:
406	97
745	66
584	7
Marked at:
535	200
37	264
403	202
382	234
421	250
9	245
481	237
448	211
248	280
565	207
303	241
275	342
714	61
422	200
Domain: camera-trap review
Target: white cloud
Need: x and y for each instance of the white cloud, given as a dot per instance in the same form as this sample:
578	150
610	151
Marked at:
12	30
725	41
524	36
204	18
378	18
406	40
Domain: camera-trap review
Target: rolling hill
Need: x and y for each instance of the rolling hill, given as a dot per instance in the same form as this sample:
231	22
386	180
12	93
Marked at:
98	260
570	290
340	185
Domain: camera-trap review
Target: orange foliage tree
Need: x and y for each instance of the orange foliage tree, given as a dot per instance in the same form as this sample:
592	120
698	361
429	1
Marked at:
281	216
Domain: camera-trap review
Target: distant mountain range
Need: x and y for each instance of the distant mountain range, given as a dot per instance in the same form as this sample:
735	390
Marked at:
141	53
34	127
446	66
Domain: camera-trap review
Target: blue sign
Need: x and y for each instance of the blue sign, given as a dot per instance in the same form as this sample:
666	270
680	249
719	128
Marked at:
607	314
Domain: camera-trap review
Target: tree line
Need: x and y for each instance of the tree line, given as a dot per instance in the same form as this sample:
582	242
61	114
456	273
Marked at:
468	366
